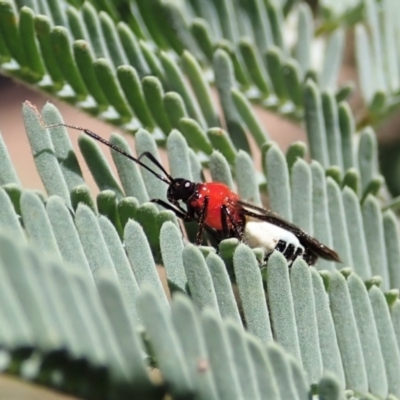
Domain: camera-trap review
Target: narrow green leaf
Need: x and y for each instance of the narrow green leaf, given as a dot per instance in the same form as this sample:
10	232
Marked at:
132	87
14	193
387	339
375	240
156	189
293	82
128	171
189	330
365	64
276	21
44	157
174	108
66	235
17	267
329	388
127	336
219	168
107	205
227	20
321	222
315	123
127	208
221	141
114	47
240	74
8	174
171	244
368	334
9	221
267	384
37	224
255	66
242	358
29	44
195	166
306	320
63	148
92	23
332	60
301	192
153	61
337	217
60	42
43	28
220	356
295	150
395	314
9	30
57	13
76	25
82	319
246	178
274	60
251	293
278	182
281	369
146	216
299	378
367	157
305	37
142	263
224	80
92	240
331	119
202	32
200	88
98	165
21	333
178	156
351	179
199	279
84	62
128	287
132	49
249	117
179	36
347	129
195	135
176	82
168	350
328	344
392	245
346	333
89	297
106	78
355	230
153	93
373	188
223	288
82	194
281	305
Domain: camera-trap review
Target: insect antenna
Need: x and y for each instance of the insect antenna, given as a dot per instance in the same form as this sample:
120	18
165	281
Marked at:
168	179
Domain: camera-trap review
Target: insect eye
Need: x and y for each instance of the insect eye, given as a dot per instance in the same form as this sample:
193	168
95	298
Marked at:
187	184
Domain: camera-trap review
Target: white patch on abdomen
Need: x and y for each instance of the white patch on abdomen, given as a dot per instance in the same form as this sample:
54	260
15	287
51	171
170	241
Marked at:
266	235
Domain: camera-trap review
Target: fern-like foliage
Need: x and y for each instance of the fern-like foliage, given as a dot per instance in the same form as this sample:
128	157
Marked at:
148	67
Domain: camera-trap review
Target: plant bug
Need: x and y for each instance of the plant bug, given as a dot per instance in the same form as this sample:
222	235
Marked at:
220	211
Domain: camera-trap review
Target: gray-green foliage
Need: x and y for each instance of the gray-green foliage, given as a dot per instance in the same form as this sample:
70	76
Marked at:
88	295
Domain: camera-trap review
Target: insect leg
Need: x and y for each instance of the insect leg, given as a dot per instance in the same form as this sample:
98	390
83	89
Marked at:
202	217
225	214
179	212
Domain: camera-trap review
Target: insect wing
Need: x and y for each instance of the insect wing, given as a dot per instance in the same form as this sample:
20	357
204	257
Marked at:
305	239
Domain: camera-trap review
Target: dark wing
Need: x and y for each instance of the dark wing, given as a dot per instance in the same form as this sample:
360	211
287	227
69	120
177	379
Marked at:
305	239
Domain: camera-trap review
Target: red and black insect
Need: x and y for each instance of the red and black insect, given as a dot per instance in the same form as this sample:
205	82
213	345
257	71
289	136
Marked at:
220	211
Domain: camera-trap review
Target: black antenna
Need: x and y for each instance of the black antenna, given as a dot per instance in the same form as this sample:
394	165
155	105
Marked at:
123	152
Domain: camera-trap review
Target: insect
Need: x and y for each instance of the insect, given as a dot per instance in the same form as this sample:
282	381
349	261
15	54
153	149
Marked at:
219	211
